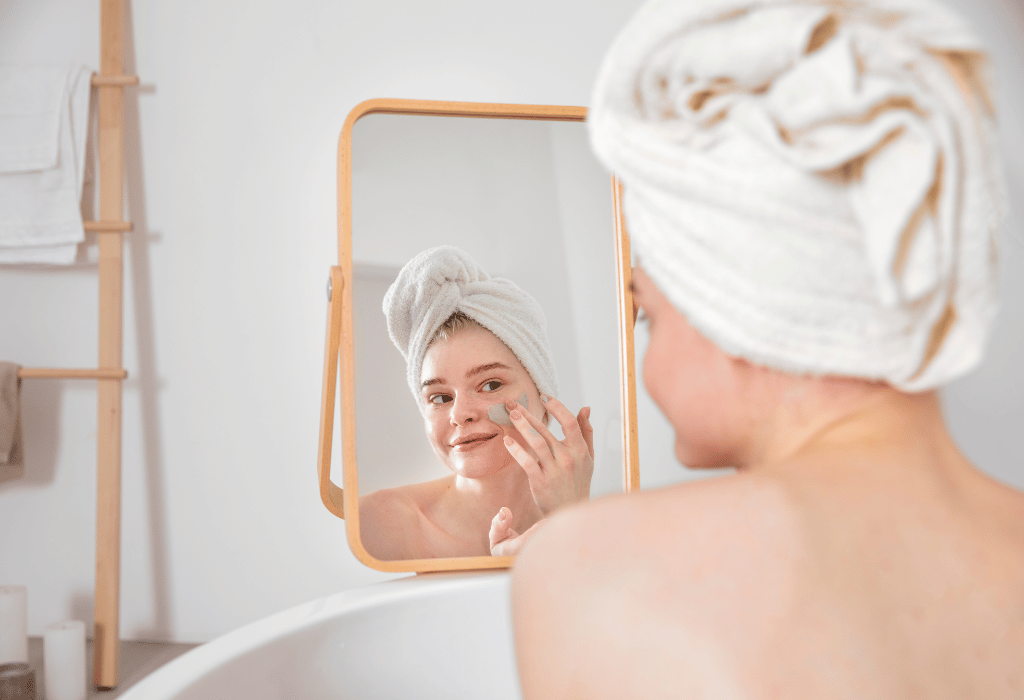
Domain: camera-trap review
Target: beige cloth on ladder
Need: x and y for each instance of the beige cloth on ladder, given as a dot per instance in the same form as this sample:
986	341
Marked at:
10	416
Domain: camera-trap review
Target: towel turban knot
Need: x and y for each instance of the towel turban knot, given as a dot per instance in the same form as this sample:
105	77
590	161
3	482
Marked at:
813	183
442	280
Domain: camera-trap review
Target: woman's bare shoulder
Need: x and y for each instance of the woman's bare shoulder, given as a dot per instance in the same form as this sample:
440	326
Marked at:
685	519
692	521
677	566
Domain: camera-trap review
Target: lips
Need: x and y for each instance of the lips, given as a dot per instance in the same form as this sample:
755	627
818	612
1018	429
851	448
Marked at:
468	442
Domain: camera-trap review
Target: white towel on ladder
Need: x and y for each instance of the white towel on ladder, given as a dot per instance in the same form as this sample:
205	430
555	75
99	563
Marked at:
44	122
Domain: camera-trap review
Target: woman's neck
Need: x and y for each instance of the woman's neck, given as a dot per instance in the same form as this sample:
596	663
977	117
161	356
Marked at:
820	417
479	500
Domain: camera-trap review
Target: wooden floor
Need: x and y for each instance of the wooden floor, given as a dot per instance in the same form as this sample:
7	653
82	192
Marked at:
138	660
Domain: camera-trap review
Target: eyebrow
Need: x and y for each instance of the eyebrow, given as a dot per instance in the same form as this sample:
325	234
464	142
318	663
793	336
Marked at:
471	373
486	368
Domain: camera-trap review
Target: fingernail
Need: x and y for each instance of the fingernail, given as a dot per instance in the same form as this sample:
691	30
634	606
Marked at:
543	398
508	441
514	415
510	404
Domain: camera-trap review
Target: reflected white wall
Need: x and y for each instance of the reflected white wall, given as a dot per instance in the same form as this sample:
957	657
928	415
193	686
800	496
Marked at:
528	201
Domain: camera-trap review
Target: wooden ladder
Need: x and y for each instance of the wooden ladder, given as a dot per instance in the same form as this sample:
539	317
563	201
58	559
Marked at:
109	229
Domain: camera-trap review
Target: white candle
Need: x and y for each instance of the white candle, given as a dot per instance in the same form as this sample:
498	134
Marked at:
13	625
64	661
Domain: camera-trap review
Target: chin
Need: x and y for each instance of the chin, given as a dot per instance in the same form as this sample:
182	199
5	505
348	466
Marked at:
477	466
694	455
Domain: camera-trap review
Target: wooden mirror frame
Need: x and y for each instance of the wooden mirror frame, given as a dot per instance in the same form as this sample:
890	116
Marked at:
339	345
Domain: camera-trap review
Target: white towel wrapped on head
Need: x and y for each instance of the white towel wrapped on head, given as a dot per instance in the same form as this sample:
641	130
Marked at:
813	183
442	280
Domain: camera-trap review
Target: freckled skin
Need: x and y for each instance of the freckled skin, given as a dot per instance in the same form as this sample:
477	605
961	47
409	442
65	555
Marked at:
451	516
855	553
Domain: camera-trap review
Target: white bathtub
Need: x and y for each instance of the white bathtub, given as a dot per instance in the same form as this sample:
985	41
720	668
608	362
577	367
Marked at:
429	636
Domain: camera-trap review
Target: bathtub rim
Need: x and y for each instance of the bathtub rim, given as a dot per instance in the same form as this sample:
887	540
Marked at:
177	675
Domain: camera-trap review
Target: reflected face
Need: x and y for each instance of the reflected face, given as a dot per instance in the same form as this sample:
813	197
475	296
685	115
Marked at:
697	386
462	377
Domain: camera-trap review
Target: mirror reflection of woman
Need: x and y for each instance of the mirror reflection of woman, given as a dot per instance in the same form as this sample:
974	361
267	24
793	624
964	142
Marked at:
486	411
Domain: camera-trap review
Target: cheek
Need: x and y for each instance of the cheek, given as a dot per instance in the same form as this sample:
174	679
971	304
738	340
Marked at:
661	367
534	404
434	424
684	376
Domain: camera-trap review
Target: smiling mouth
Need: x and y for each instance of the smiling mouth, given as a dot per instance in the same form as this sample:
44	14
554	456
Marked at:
472	441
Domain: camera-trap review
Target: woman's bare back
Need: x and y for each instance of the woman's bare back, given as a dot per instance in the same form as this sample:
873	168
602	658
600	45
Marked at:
847	580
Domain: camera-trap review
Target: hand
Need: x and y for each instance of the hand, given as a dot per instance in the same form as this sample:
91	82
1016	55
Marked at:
559	471
506	542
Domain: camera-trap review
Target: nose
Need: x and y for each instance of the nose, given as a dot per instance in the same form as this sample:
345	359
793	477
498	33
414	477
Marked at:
467	408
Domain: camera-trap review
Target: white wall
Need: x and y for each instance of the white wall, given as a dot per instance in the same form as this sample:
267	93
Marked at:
986	408
232	146
232	154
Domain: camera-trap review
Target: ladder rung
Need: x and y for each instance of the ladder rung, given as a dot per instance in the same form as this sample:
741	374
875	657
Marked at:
101	226
114	80
61	373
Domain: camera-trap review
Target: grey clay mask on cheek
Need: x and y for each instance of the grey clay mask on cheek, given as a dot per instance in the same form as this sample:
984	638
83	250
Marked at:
499	414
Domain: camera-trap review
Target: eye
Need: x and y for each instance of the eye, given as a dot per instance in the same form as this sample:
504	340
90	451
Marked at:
439	399
492	385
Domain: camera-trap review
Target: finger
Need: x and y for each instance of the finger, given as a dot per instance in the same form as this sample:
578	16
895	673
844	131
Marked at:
535	433
586	428
529	464
501	527
565	418
508	547
512	545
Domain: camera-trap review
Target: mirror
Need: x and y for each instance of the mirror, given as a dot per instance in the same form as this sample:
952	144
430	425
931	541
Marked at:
523	197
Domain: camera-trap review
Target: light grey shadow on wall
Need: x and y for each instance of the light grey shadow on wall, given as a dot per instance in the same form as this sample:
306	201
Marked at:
81	608
146	375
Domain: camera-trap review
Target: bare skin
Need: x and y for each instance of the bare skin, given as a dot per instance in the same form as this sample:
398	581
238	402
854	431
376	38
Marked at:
463	376
856	553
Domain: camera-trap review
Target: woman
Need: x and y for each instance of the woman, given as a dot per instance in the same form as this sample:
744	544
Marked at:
480	369
812	194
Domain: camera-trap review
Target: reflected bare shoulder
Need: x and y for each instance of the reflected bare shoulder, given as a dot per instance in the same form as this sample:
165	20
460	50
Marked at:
390	520
385	518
